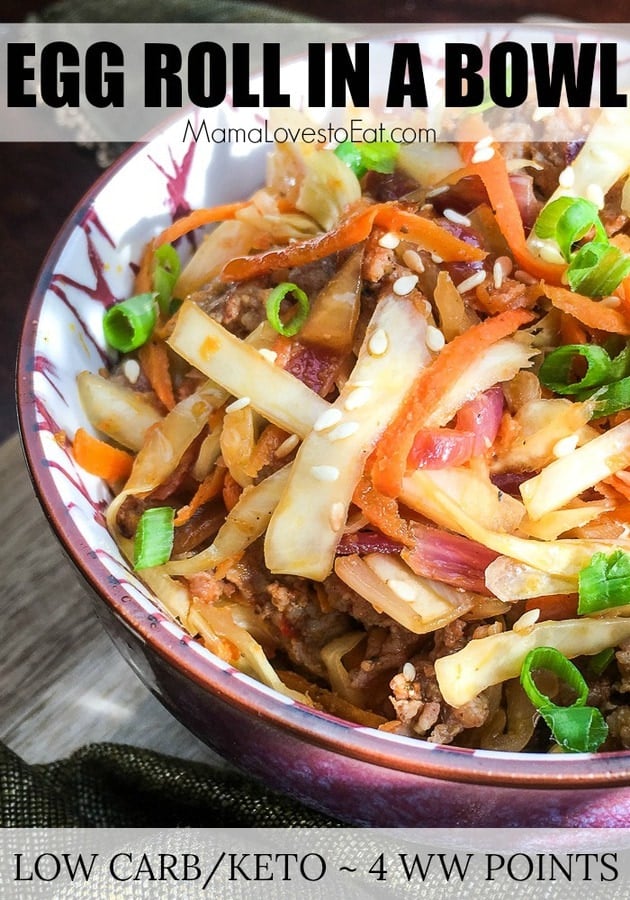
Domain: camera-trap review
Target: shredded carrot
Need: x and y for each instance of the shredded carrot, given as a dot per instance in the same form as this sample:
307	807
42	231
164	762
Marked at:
592	313
495	177
210	487
352	230
153	357
231	491
180	227
554	606
266	446
389	459
100	458
382	512
572	331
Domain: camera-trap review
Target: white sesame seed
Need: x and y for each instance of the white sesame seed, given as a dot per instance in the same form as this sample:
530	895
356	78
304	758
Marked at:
346	429
409	672
483	142
611	302
497	274
357	398
436	259
241	403
436	191
483	155
270	355
402	589
405	284
378	343
566	178
327	419
337	516
131	370
595	194
325	473
287	446
389	241
413	260
565	445
434	338
472	282
526	621
453	216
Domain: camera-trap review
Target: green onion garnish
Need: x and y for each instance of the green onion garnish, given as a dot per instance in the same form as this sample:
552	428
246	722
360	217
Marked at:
375	156
578	728
597	269
274	301
167	267
557	368
154	537
599	663
128	325
604	583
567	220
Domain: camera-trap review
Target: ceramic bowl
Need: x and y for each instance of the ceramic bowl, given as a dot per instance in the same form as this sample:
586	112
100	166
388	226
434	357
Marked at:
355	773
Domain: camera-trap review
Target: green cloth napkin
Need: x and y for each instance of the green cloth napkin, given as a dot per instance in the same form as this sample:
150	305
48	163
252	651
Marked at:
115	786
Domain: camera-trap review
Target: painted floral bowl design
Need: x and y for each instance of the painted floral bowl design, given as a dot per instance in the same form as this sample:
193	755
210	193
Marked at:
356	773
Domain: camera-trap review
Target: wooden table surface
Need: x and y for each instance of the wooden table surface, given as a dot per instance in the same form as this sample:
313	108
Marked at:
62	684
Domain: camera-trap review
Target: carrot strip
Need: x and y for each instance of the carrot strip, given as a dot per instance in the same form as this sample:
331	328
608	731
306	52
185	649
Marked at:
354	229
153	358
100	458
495	177
554	606
382	512
231	491
571	331
266	446
210	487
592	313
182	226
389	459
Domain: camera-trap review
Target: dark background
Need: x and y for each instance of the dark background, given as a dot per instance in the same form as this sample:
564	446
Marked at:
41	183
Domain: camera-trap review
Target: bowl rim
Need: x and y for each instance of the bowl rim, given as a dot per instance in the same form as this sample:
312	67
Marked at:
409	755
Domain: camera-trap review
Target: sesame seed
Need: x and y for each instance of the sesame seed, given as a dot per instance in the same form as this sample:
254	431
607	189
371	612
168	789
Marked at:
565	445
524	277
131	370
346	429
595	194
483	155
434	339
453	216
501	269
526	621
472	282
436	259
402	589
409	672
611	302
337	516
389	241
483	142
325	473
566	178
436	191
378	343
241	403
327	419
287	446
413	260
405	284
270	355
357	398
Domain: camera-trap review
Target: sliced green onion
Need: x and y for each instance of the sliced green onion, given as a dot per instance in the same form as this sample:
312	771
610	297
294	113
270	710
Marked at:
599	663
612	398
604	583
551	659
567	220
581	729
373	156
154	537
274	302
597	269
167	267
128	325
577	727
556	370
